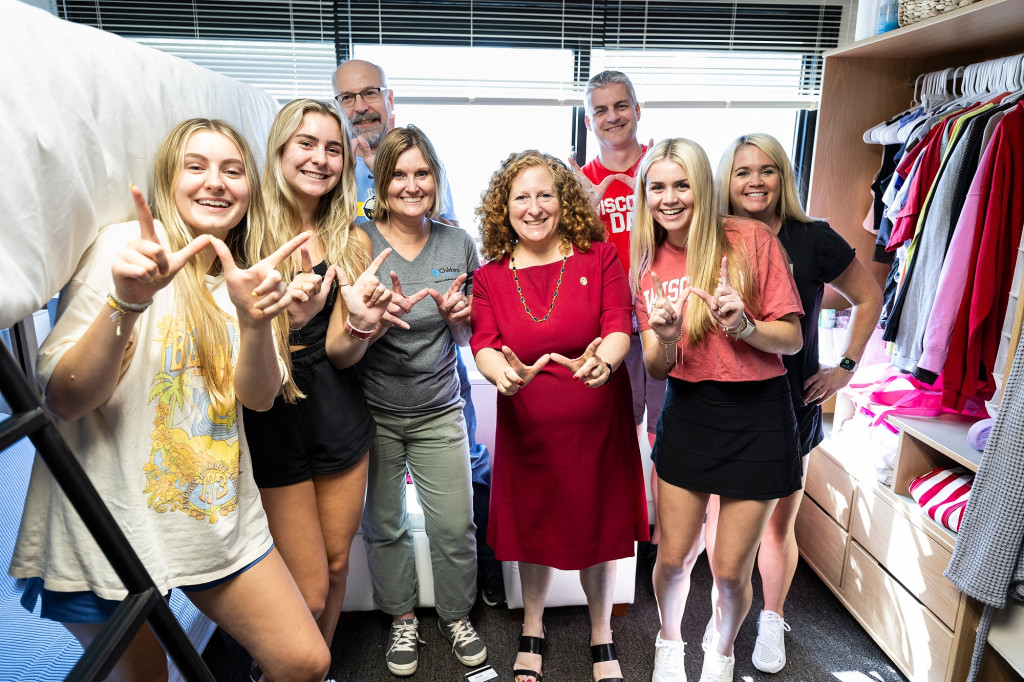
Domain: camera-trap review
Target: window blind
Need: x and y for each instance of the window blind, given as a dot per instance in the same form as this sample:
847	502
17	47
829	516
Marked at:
285	47
711	52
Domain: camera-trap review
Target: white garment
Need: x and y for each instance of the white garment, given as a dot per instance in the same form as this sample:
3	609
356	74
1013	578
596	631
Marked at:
176	476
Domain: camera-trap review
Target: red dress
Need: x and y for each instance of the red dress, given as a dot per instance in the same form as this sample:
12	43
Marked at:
567	486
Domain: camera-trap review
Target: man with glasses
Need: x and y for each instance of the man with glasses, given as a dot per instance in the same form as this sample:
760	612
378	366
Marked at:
367	105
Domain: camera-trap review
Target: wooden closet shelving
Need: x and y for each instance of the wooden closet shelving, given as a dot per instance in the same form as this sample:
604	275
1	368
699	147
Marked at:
872	80
869	542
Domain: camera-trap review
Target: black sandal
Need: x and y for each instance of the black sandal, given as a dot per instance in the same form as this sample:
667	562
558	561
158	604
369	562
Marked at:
605	652
530	645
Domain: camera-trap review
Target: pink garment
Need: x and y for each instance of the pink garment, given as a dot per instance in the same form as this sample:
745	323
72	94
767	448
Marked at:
975	339
721	358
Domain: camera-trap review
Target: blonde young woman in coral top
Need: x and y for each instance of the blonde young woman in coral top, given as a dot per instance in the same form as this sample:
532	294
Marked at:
716	306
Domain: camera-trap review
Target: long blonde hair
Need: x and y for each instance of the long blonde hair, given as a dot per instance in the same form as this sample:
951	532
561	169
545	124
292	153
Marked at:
335	213
706	240
207	322
789	207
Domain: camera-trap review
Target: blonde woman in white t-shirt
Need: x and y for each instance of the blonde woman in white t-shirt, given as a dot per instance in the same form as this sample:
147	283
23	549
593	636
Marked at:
165	330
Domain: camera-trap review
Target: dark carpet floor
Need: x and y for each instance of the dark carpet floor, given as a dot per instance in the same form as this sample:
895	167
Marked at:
825	644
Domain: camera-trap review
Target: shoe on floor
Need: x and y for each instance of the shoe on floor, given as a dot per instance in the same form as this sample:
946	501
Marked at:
668	661
709	633
770	647
492	589
717	668
403	641
466	643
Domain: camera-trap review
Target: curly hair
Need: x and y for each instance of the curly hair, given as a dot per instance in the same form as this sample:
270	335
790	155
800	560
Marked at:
578	221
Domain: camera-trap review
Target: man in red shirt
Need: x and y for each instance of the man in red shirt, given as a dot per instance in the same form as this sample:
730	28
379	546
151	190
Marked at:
612	115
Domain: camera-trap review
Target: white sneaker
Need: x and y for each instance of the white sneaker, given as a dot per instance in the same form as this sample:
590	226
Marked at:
770	648
717	668
668	661
709	633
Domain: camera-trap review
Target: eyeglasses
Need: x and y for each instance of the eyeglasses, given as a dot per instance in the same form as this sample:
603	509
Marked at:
369	95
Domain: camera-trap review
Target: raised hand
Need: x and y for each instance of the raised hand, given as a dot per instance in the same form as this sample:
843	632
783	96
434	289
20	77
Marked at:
401	304
308	291
596	192
453	305
361	147
589	367
666	317
366	298
726	304
145	266
516	374
257	292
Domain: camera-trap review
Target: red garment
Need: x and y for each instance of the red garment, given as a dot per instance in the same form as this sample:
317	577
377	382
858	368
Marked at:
975	340
721	358
567	486
930	148
616	205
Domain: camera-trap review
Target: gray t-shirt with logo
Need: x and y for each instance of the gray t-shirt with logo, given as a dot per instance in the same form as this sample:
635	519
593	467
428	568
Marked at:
412	372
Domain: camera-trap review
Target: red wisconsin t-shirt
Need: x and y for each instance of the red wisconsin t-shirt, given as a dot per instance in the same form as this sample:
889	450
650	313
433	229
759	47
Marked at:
720	357
617	204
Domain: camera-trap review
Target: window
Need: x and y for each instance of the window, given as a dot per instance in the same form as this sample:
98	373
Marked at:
478	105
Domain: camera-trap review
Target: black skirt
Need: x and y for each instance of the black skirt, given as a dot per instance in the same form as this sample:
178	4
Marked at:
735	439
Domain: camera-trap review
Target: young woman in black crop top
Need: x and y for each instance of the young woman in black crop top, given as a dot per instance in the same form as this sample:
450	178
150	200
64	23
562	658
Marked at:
309	451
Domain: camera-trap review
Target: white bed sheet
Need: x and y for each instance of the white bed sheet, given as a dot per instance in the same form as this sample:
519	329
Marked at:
82	113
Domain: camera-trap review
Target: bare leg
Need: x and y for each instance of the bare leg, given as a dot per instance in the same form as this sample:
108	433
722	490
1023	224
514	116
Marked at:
779	554
295	524
682	513
339	499
598	583
143	661
263	610
740	526
534	580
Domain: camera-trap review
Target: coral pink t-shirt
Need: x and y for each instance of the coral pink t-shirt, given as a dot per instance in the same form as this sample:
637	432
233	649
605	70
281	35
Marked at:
720	357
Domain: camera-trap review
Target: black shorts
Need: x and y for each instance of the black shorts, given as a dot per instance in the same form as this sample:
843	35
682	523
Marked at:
326	432
809	425
735	439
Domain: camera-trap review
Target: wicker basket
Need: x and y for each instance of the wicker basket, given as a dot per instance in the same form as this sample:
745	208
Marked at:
913	11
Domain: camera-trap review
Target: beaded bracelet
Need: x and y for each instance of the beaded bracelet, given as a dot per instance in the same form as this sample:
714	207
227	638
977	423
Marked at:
673	344
122	308
360	334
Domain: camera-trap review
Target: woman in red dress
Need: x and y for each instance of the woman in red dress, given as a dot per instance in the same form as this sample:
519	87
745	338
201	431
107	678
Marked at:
551	325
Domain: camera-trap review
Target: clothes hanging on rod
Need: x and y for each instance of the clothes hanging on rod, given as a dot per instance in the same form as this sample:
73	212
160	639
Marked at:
956	213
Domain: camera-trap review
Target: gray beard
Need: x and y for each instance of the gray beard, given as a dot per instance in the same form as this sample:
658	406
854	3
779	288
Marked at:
374	140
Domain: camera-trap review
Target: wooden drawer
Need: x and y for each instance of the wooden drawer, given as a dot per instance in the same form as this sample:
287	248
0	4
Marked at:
908	632
822	543
907	552
830	485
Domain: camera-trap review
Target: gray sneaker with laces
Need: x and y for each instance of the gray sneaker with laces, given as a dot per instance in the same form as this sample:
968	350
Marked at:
402	644
466	643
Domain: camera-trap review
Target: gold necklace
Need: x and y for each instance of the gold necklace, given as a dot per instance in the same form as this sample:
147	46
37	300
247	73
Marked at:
554	297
